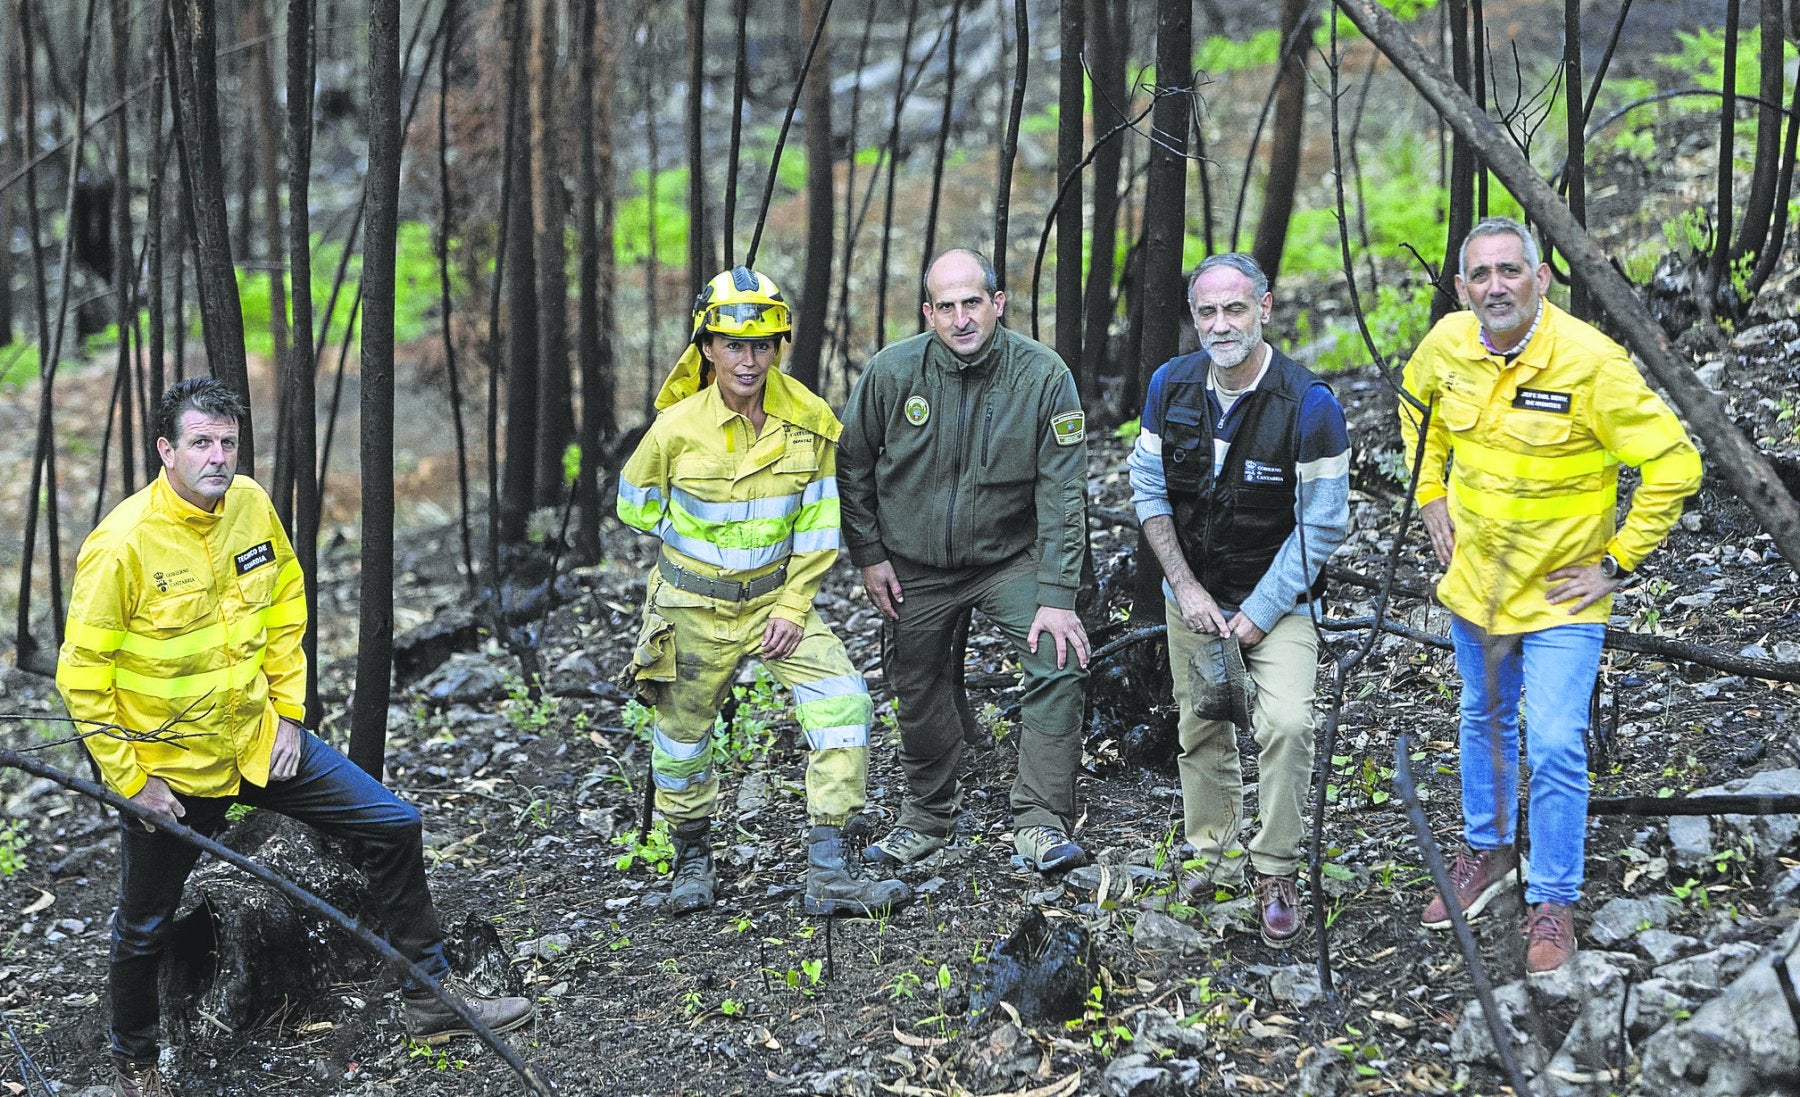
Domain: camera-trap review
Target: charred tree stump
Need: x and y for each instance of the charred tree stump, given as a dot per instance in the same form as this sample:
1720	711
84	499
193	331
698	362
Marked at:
241	953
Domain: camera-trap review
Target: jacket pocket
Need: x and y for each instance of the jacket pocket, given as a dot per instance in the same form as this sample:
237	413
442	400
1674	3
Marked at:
1186	463
1456	413
1538	428
173	614
257	586
1008	454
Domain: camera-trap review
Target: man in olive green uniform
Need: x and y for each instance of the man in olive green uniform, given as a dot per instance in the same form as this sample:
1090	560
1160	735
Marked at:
962	474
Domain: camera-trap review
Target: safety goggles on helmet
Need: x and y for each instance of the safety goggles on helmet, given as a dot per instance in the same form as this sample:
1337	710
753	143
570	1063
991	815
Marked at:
743	304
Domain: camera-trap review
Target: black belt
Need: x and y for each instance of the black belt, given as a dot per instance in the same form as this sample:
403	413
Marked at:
725	590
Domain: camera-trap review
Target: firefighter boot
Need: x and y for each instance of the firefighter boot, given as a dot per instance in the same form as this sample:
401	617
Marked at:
693	878
835	885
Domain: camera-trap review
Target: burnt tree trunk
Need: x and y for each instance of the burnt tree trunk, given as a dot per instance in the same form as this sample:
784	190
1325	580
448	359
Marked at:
124	269
518	485
595	262
1284	146
700	265
1760	207
1106	35
1071	85
1009	145
1718	269
300	394
375	622
815	292
265	155
1462	168
1165	200
943	144
1575	171
194	35
556	398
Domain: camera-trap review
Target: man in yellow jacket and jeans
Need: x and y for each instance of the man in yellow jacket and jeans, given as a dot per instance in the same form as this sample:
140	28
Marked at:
185	620
737	476
1531	412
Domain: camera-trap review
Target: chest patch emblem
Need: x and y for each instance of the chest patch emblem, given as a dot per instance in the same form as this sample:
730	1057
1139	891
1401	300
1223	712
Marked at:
1540	400
255	557
1070	427
918	410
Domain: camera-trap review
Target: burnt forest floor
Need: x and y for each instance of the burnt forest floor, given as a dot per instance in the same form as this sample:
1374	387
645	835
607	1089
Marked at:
523	801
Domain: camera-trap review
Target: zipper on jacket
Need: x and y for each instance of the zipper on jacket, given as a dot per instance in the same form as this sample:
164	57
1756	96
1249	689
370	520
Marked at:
987	432
962	433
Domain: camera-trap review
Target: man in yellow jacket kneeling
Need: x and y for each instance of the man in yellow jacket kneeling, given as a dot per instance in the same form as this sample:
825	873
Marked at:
738	478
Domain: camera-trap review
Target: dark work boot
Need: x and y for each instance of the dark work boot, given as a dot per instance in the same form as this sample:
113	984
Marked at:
138	1080
430	1021
835	886
693	879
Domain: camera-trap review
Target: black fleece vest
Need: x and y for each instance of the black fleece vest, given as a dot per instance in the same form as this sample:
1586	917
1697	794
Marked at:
1231	527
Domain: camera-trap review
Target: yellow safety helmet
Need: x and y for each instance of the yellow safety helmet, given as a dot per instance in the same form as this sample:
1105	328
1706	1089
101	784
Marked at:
741	303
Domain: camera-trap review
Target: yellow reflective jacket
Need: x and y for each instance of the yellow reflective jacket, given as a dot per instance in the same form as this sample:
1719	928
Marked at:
727	504
1528	453
182	613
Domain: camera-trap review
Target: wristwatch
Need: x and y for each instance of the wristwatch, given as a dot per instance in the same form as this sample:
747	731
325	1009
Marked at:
1612	569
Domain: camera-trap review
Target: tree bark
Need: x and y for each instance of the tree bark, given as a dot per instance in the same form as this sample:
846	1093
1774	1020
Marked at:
1718	269
266	158
1462	168
1731	454
125	314
1165	200
375	622
700	264
1107	30
943	143
1009	145
1575	171
519	479
194	34
555	426
1284	145
1071	112
300	399
1761	203
815	292
595	262
12	156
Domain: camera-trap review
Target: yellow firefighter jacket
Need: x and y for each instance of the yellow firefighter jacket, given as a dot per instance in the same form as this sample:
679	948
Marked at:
733	506
181	614
1528	453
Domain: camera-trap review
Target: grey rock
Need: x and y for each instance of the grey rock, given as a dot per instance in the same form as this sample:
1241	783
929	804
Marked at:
753	793
1589	974
1732	1044
1786	892
1471	1042
1753	651
1161	933
1691	841
1160	1030
1662	947
1088	876
1779	331
548	947
466	678
1619	921
841	1082
1709	970
1653	1003
1327	1072
1133	1076
1711	374
1298	985
1787	651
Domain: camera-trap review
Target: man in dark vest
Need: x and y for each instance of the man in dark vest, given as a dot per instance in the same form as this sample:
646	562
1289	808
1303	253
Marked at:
1241	479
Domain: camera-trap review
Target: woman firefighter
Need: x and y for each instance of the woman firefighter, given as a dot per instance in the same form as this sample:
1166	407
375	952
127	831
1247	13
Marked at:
737	477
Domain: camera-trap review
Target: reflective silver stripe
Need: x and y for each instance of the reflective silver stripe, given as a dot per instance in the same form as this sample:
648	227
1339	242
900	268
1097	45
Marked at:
779	506
843	685
681	784
637	496
819	489
681	752
846	735
818	540
729	559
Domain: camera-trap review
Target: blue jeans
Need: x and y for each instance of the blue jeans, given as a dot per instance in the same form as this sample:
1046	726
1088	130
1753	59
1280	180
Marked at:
1555	668
327	792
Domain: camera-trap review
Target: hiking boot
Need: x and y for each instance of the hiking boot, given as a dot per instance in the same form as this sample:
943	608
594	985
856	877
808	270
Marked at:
1278	897
693	879
903	846
1549	937
834	886
430	1021
1476	877
138	1080
1047	848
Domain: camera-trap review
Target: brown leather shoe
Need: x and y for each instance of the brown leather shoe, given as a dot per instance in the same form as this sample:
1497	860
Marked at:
1476	876
1278	897
138	1080
1549	937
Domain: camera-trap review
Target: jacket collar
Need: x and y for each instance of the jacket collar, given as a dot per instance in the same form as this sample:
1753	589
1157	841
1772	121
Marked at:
170	503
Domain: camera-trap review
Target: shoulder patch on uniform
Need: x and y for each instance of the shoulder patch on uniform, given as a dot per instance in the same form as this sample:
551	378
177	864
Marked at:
1070	427
918	409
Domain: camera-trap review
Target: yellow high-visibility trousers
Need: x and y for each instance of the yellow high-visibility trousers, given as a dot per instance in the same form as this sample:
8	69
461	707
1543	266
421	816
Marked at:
688	652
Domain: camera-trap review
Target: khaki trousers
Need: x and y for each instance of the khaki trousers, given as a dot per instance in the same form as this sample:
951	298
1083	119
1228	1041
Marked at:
1285	667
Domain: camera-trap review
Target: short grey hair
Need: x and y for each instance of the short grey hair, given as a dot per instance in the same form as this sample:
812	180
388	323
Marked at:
989	279
1497	226
206	395
1238	261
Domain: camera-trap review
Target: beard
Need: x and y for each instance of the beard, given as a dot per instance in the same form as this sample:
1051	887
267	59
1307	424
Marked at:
1231	352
